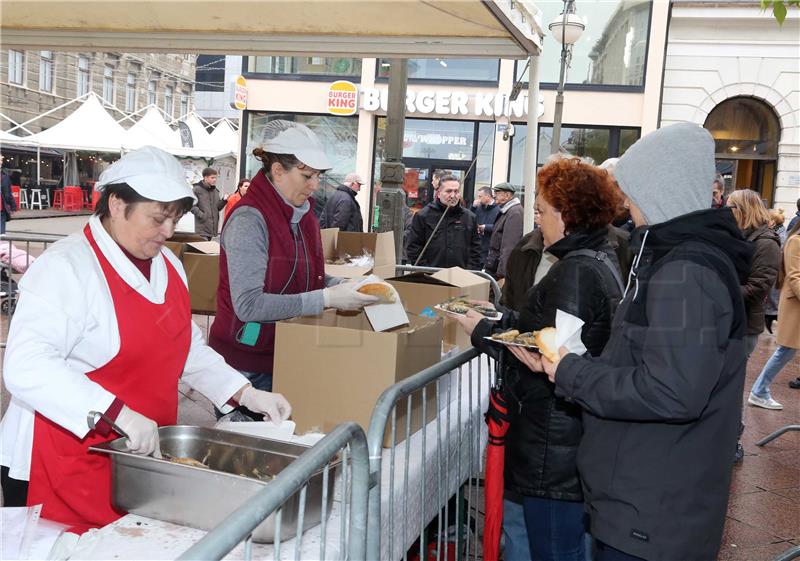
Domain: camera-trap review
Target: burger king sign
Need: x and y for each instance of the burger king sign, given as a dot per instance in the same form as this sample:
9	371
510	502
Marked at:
342	98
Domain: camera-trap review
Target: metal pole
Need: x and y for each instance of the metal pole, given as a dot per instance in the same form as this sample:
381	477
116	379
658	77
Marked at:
531	143
38	165
391	198
555	142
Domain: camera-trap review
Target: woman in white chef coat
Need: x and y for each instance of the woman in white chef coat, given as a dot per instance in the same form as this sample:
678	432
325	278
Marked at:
103	324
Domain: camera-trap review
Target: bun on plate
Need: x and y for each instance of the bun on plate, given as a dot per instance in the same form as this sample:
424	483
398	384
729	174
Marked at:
384	292
546	341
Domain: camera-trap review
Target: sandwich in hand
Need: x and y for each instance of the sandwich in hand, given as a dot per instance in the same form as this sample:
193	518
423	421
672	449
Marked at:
383	291
546	341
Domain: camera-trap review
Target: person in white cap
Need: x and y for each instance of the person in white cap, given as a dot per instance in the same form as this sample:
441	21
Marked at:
102	334
271	264
342	209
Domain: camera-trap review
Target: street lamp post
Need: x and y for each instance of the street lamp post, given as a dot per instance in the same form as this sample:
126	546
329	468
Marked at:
566	29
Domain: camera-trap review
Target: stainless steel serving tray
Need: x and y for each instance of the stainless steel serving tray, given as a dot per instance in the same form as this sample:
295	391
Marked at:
202	498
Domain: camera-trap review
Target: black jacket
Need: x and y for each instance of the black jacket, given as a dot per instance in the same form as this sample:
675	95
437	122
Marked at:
763	272
506	236
206	210
545	430
663	403
342	211
525	258
455	244
9	203
486	215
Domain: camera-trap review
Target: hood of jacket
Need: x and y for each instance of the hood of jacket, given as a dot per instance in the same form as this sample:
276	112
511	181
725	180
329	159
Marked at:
346	189
763	232
716	227
583	239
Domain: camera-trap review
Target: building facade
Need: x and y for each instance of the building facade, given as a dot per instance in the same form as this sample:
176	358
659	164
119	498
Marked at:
214	77
34	82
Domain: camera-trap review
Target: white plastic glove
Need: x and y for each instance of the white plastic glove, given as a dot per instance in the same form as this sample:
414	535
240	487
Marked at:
142	432
273	406
345	297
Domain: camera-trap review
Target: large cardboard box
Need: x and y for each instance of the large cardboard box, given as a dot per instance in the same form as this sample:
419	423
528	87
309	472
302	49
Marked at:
201	262
380	245
419	291
333	368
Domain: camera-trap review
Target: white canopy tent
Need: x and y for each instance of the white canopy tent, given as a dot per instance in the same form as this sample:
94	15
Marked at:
223	137
151	130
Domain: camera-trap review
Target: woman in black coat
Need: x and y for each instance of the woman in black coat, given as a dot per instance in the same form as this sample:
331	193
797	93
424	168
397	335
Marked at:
575	202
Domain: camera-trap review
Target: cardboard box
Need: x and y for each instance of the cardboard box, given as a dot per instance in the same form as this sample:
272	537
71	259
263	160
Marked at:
333	368
419	291
380	245
201	262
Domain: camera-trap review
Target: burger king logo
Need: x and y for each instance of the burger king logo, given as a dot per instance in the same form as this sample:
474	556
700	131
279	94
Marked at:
342	98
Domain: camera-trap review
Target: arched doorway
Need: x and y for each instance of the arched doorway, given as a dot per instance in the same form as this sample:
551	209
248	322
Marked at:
746	133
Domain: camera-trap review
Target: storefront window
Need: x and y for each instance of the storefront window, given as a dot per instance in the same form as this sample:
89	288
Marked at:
432	140
612	49
483	165
596	144
454	69
305	65
339	136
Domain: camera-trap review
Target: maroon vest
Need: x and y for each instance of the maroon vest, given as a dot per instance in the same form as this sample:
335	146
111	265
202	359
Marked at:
284	251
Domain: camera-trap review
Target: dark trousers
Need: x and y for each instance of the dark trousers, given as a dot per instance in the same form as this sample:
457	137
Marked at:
15	492
607	553
555	529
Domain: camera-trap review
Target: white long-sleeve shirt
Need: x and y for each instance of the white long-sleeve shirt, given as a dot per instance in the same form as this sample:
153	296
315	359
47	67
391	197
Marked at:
65	326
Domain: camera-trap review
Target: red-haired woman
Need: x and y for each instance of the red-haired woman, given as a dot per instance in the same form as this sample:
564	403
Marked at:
575	202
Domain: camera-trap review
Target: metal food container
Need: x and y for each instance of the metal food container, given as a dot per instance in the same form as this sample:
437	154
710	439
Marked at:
201	498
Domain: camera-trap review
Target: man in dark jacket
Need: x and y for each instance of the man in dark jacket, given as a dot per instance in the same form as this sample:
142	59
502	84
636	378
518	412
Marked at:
507	229
7	202
209	203
486	212
455	242
663	403
342	209
795	218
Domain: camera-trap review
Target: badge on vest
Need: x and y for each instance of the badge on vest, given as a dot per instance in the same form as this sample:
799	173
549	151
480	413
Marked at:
639	535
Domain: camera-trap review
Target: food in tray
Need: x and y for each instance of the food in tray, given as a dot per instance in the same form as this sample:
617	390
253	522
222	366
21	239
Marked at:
187	462
514	337
546	341
383	291
462	306
506	336
339	261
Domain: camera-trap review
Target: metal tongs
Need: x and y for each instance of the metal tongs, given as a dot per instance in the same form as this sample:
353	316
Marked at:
94	416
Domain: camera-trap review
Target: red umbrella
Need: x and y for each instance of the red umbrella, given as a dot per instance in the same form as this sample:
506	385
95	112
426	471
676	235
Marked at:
497	419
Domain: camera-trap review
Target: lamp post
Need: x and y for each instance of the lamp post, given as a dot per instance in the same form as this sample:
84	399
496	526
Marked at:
566	29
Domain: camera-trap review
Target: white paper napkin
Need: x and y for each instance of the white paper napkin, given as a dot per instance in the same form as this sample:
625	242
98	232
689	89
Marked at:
384	316
568	332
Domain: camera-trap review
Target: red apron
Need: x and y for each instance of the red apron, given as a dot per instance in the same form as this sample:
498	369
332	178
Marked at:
74	485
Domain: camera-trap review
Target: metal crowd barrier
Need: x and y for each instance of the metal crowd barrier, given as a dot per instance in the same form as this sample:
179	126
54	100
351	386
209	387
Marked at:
29	243
496	290
399	490
789	554
347	441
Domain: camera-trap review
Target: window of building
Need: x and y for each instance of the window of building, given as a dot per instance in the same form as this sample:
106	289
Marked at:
596	143
305	66
16	67
108	84
184	104
611	51
339	136
447	69
151	92
130	93
46	71
83	75
168	102
209	73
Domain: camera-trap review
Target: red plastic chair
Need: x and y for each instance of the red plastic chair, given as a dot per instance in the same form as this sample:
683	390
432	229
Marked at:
73	198
58	198
95	198
15	192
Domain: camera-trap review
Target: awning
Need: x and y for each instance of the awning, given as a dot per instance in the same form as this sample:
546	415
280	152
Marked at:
357	28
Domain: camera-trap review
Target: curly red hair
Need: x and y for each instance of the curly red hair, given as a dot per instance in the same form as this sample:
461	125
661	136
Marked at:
585	195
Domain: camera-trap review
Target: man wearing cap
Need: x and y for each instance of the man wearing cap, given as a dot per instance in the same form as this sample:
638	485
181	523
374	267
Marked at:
663	402
342	209
209	204
101	336
507	229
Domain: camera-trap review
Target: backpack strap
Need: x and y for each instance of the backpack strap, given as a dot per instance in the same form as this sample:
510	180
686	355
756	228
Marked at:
601	256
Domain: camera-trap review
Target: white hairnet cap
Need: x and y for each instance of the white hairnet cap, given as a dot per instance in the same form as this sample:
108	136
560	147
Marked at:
287	137
151	172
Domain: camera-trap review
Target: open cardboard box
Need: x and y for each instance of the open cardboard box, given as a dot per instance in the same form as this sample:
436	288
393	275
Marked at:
333	368
200	260
380	245
419	291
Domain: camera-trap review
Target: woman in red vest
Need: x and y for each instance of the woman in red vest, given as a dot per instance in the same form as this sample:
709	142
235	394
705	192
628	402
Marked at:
271	262
102	334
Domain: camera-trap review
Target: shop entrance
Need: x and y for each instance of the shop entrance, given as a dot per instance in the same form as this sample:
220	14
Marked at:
419	173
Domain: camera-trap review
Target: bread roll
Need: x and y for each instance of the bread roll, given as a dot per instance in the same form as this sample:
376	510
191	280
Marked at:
384	292
546	341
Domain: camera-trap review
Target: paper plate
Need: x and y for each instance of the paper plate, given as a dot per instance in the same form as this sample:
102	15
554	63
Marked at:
510	344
